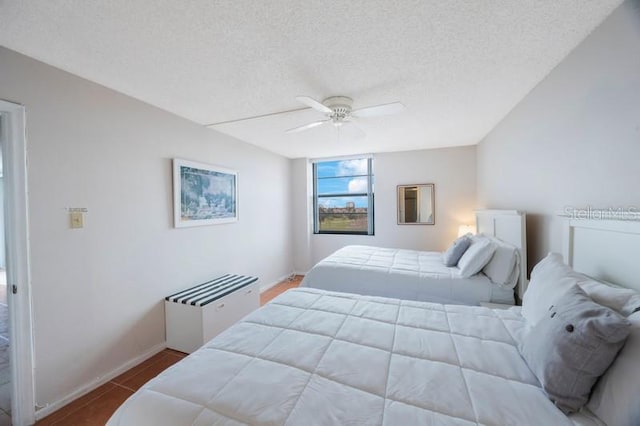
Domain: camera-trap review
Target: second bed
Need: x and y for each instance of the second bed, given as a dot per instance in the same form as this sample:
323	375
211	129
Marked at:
422	275
403	274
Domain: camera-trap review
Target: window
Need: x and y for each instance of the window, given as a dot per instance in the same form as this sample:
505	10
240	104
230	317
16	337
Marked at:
343	196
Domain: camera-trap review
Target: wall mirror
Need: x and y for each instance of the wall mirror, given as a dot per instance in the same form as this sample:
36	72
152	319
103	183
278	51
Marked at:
416	204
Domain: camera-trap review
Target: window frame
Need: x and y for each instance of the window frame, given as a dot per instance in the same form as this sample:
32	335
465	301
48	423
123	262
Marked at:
369	194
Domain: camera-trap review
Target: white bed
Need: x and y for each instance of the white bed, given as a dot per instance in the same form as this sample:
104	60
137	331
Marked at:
316	357
402	274
421	275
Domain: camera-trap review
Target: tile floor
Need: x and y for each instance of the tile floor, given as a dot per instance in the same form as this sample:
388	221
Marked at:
97	406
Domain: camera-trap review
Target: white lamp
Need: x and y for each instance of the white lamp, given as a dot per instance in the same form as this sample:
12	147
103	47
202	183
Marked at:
466	229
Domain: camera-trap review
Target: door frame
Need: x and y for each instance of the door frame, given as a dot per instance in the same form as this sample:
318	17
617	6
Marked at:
14	159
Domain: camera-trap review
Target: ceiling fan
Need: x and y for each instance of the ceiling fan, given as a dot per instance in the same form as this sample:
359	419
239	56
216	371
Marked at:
337	110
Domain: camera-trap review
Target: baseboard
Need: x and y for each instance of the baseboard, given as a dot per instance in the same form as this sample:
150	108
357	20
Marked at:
265	287
54	406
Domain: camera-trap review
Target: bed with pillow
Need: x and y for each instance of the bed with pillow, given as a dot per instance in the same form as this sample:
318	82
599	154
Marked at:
568	356
488	267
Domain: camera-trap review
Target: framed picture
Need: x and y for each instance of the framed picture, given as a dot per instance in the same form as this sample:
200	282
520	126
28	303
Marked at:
203	194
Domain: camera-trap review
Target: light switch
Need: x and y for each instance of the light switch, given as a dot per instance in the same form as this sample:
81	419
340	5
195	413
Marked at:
77	220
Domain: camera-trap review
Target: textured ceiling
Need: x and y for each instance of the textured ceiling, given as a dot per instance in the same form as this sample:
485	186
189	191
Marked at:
458	66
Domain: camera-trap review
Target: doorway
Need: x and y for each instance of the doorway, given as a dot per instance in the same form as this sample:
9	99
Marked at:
17	398
5	369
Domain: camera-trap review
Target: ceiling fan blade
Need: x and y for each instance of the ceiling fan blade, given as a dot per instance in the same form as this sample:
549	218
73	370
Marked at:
306	126
378	110
351	131
314	104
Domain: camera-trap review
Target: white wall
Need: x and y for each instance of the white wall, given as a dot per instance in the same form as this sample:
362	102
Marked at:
575	139
302	210
3	257
453	170
98	292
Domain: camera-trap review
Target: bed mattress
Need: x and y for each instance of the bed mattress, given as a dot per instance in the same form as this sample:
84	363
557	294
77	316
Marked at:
312	357
402	274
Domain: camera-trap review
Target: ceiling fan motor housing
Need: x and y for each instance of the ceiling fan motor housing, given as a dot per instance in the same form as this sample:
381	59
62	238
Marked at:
341	107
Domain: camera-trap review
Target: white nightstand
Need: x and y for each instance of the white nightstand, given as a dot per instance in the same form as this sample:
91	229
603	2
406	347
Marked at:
495	305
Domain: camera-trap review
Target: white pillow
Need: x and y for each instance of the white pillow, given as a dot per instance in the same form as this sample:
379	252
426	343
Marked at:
550	279
622	300
500	267
515	274
615	397
477	256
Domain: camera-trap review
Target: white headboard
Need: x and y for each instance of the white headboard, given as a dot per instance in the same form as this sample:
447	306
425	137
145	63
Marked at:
604	249
509	226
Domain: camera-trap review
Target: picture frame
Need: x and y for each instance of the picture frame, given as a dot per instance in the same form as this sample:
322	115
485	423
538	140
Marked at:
203	194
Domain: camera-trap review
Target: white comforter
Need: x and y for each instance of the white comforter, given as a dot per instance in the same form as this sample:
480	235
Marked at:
402	274
316	358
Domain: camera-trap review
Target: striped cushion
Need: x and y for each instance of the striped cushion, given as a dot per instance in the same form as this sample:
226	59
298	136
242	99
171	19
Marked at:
210	291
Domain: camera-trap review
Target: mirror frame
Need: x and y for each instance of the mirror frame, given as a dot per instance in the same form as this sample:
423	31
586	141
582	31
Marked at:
433	203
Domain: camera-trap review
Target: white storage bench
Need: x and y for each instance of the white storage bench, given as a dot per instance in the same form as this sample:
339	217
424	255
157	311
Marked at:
195	315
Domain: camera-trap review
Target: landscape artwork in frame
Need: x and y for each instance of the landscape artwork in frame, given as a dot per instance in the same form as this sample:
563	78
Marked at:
203	194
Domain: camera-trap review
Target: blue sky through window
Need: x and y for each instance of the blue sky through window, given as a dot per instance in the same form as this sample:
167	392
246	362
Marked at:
342	177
